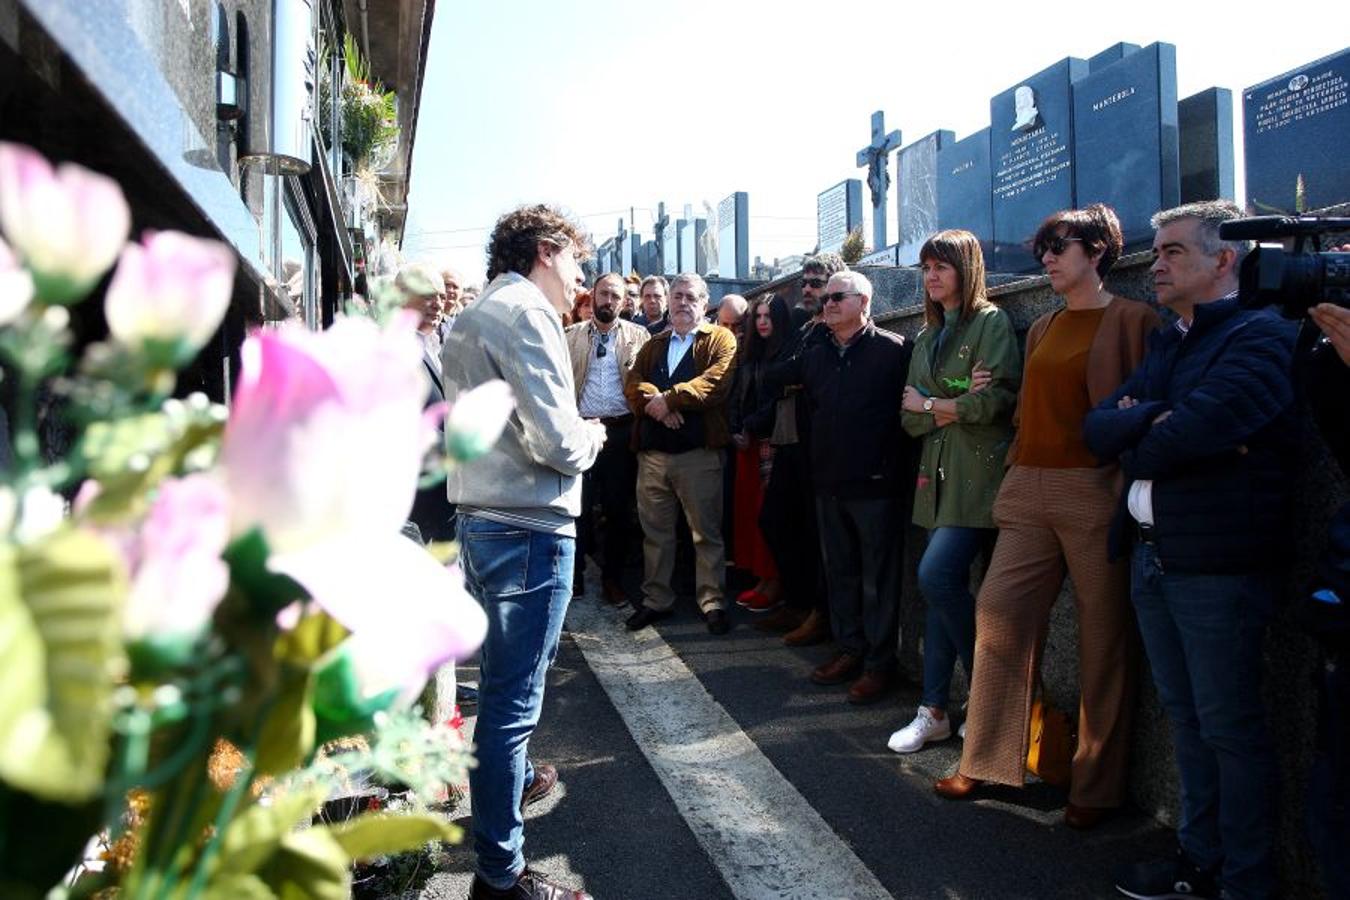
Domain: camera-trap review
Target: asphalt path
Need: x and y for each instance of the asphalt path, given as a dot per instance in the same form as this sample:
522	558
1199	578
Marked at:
841	805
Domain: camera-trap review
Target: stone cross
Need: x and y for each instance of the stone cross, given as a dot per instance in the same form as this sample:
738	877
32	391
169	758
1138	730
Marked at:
878	179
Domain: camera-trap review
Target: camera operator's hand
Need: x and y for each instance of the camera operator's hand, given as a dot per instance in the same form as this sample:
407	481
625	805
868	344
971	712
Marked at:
1335	324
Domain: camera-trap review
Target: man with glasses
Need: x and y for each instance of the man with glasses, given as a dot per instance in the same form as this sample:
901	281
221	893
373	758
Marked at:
678	390
603	350
788	518
862	463
516	524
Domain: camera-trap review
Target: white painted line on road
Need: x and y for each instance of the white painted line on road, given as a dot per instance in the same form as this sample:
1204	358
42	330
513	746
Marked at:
760	832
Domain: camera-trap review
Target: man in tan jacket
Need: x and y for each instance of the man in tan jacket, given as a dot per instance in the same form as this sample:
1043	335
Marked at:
678	391
603	351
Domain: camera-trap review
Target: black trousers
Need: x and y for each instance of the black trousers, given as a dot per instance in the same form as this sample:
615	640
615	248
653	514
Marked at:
612	483
863	543
788	522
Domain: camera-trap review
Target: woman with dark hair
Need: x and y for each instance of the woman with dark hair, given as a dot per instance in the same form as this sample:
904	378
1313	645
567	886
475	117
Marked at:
751	417
1054	511
965	436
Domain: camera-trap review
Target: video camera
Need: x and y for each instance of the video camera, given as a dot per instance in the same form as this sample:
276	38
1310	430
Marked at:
1294	279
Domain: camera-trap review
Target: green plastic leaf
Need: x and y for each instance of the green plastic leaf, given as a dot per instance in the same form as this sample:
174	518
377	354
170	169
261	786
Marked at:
338	699
383	834
314	635
310	865
288	732
130	456
234	886
255	835
59	654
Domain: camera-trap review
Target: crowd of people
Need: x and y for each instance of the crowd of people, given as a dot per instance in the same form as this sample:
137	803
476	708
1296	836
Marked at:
1149	462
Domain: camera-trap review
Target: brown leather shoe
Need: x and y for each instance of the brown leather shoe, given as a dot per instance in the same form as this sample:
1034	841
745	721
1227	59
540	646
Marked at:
545	780
871	687
784	618
815	630
1085	817
844	667
613	592
957	787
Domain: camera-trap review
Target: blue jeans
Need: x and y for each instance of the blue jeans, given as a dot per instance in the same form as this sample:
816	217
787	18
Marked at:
1203	635
949	627
523	579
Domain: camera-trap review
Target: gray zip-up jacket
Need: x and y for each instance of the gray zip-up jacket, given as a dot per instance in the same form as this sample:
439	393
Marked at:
529	478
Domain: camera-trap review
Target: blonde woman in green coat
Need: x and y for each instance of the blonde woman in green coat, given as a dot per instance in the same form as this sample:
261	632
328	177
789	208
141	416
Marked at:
965	421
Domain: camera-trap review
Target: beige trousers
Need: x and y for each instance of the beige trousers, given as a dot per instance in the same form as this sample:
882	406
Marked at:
1051	520
667	483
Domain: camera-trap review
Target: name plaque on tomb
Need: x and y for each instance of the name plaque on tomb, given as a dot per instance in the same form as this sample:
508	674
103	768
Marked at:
965	198
1031	158
1297	126
1125	139
838	211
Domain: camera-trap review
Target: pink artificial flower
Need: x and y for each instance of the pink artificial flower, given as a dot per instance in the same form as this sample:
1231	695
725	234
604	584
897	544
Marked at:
16	286
67	224
177	575
171	289
323	452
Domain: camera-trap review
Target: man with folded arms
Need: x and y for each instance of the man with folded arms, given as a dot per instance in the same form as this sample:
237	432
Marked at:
678	389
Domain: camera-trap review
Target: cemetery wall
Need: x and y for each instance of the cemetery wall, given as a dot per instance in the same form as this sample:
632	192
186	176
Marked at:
1290	656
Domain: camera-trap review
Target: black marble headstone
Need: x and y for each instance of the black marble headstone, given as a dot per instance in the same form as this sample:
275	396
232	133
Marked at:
1125	139
1031	158
1112	54
1206	126
1297	127
965	198
917	204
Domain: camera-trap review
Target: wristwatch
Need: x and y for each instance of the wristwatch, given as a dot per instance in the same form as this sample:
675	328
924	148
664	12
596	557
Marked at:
928	404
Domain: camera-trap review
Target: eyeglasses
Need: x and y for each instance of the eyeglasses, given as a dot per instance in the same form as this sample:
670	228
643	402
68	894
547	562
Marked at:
814	282
838	296
1056	245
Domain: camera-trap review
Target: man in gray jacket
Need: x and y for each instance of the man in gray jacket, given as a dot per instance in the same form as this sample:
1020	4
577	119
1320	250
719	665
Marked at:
517	522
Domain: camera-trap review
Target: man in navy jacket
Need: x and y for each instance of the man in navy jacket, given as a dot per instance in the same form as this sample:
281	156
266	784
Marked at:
1206	435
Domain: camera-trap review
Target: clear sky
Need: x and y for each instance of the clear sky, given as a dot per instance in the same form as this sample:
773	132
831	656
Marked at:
603	105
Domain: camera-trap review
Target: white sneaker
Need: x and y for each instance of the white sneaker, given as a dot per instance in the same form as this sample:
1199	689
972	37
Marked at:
923	729
961	732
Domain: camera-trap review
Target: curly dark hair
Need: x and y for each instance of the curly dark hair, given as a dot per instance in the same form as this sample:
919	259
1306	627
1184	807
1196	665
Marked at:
514	245
1096	226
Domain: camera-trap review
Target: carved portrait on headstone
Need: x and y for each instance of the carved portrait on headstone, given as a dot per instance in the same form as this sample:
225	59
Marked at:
1024	105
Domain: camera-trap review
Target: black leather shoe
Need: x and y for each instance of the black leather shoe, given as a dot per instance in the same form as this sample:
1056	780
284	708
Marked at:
528	887
717	621
545	780
644	617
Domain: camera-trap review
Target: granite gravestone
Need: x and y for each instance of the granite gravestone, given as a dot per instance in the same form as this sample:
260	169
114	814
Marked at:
699	235
1112	54
838	211
1296	127
1031	158
733	236
965	195
624	249
1205	123
918	201
670	250
874	157
1125	139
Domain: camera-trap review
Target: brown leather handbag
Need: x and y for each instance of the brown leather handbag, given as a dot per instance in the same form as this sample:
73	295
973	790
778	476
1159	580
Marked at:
1051	741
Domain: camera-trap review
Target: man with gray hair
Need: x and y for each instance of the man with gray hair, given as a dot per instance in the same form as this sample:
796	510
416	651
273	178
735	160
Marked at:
1206	435
678	389
862	463
731	313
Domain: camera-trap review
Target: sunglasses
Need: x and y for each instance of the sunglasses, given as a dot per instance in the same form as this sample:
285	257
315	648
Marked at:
814	282
603	347
1056	245
838	296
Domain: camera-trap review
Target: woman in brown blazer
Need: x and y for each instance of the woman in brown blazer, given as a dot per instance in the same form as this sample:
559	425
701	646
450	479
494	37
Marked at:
1054	511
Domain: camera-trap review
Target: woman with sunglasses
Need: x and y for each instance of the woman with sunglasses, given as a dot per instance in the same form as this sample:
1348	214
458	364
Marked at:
1054	511
965	438
751	413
